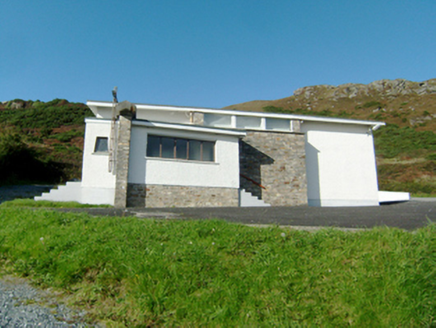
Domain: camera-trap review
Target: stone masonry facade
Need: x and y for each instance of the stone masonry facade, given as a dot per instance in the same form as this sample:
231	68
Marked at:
273	167
122	160
141	195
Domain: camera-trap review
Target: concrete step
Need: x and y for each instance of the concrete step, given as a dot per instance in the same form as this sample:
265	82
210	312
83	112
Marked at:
246	199
74	192
68	192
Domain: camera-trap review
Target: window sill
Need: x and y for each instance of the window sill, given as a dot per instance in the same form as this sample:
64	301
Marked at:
161	159
101	153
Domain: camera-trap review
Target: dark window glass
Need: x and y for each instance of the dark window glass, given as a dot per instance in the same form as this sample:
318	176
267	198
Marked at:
195	150
153	146
181	148
101	145
167	147
208	151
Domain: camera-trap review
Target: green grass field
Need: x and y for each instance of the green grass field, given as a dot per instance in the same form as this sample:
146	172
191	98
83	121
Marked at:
135	272
28	202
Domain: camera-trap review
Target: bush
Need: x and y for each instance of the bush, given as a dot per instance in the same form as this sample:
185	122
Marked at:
22	163
370	104
48	116
391	140
301	111
431	157
68	135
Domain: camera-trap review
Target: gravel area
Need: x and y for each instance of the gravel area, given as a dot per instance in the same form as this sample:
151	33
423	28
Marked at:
22	305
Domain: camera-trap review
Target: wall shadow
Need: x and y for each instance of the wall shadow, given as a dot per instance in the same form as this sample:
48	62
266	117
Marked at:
250	163
312	176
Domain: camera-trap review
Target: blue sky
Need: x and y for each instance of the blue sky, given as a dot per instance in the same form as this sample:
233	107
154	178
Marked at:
208	53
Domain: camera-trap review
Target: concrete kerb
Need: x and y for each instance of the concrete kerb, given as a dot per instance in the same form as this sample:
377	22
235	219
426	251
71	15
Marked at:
306	228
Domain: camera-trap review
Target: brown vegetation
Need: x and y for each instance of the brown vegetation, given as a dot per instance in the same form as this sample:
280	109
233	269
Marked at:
408	108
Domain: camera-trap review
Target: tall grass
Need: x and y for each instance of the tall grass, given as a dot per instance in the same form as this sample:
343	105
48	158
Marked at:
212	273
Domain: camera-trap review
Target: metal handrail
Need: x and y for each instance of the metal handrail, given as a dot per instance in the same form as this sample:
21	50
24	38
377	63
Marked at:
249	179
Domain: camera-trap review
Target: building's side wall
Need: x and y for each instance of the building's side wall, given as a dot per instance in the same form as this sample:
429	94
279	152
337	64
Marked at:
158	182
277	162
341	167
164	116
95	165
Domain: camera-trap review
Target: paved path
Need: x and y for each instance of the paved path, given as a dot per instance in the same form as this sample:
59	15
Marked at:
409	215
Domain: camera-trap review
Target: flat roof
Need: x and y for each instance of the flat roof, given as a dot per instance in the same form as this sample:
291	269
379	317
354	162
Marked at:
139	106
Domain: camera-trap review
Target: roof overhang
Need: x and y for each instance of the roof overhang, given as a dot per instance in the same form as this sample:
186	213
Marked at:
189	128
102	109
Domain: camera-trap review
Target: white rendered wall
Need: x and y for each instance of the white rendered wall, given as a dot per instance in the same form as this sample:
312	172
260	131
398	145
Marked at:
224	172
95	165
340	165
164	116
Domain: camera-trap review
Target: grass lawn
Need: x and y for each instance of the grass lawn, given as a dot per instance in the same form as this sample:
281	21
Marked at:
133	272
28	202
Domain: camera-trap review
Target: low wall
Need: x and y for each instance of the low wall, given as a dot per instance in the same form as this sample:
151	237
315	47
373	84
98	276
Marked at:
140	195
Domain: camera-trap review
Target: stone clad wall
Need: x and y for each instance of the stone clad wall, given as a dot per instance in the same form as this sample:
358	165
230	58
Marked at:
136	195
140	195
122	160
277	162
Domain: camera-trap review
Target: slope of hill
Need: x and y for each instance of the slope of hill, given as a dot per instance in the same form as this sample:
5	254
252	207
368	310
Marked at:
48	137
398	101
41	142
405	148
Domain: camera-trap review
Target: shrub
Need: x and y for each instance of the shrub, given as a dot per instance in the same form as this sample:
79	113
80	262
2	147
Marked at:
68	135
46	115
22	163
392	140
431	157
372	104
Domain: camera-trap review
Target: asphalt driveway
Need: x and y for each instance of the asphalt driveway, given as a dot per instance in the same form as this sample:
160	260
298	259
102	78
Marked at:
409	215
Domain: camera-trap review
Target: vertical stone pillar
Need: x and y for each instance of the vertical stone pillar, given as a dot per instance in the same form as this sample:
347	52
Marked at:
122	160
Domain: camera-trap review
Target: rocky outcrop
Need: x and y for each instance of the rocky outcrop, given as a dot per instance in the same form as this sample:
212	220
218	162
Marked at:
381	88
400	102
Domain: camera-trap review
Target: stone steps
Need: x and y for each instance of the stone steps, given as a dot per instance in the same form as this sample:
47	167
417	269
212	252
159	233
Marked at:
74	192
246	199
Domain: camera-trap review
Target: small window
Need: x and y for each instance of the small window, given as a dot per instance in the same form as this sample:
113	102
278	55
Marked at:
178	148
101	145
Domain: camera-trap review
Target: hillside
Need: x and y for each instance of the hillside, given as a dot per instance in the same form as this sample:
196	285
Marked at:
400	102
41	142
405	148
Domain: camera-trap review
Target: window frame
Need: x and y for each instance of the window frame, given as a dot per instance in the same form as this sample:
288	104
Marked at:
96	144
174	149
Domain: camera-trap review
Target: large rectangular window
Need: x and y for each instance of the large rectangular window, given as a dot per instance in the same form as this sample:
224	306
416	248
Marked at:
178	148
